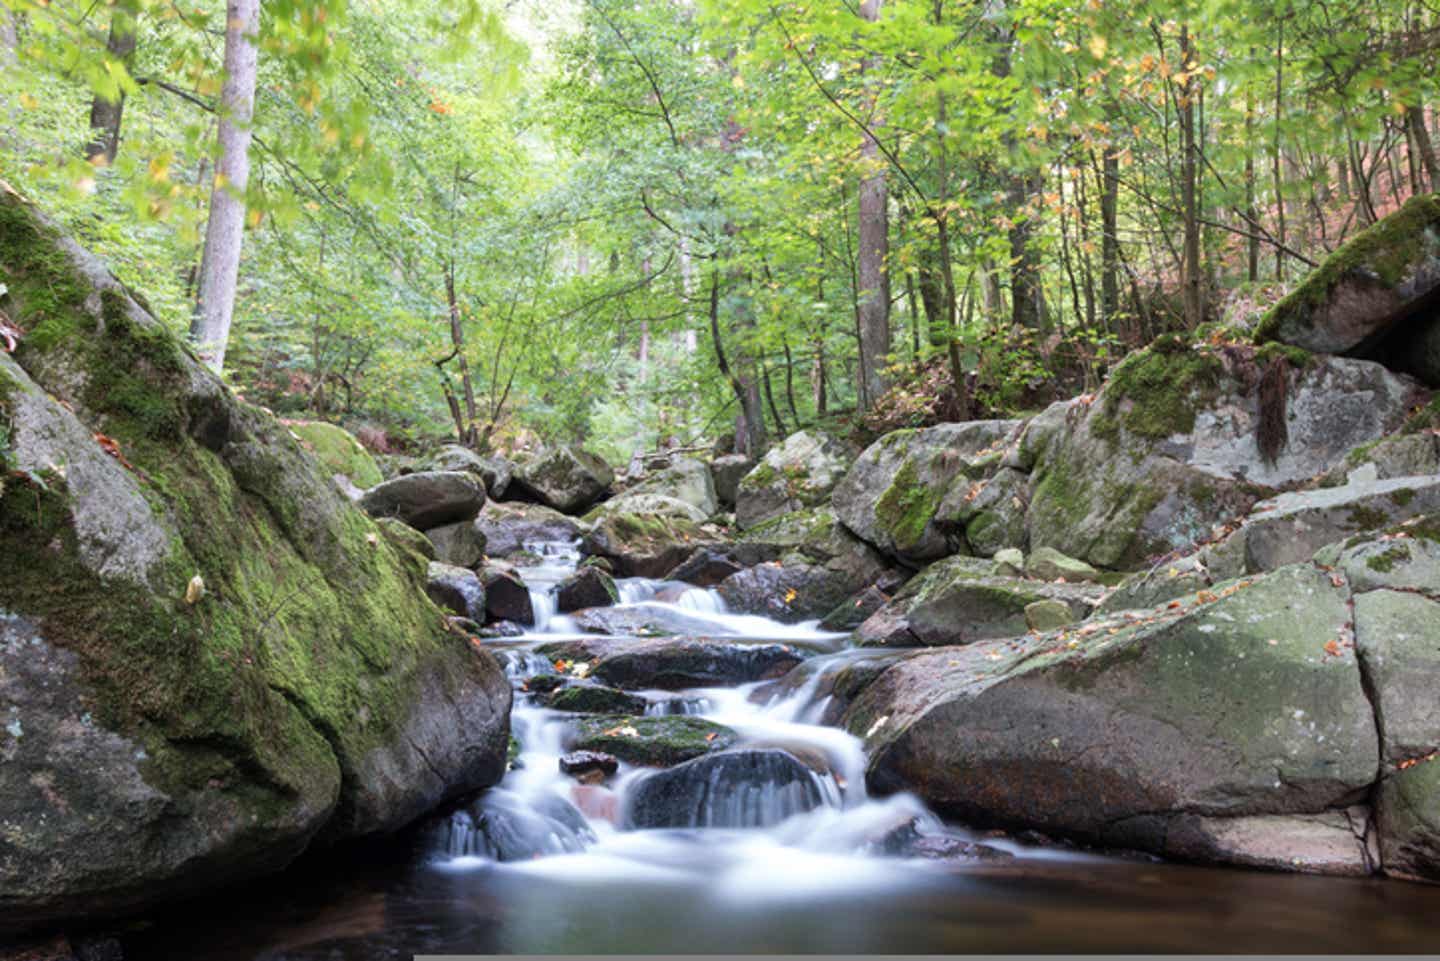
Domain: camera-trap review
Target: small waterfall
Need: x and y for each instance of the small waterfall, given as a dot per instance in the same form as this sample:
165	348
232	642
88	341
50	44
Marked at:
542	603
670	705
732	789
504	826
702	601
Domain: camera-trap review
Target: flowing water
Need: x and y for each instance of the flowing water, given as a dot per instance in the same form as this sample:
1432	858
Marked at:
794	862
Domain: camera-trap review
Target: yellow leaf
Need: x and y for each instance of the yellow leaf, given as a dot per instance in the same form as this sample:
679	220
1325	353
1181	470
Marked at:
1098	46
195	590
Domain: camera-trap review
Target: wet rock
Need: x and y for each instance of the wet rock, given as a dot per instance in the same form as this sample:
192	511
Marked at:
705	567
732	789
587	587
959	600
1167	450
498	629
1371	298
675	663
726	472
580	763
566	478
504	826
1048	564
798	474
854	611
545	683
506	596
1332	842
1248	702
508	528
597	802
786	593
460	544
456	589
427	499
644	620
587	699
890	495
652	741
641	545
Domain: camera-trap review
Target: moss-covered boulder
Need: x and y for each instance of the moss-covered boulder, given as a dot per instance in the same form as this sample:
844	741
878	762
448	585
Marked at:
1168	449
338	451
1149	732
595	699
652	741
644	545
684	479
961	600
890	496
427	499
1374	297
794	475
495	471
567	478
208	658
512	528
587	587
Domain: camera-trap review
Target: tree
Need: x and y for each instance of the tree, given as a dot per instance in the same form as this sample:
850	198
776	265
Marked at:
225	228
107	109
874	247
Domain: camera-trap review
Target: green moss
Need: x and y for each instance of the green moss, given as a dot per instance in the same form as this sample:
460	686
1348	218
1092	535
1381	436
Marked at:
1367	518
762	476
1402	497
1385	562
1156	392
906	507
1387	250
1297	357
338	451
660	741
1426	418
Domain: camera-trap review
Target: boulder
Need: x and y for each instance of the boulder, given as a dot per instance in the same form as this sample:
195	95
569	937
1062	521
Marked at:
794	475
566	478
706	567
1048	564
209	659
640	545
1048	615
506	596
1292	527
495	472
730	789
511	528
460	544
648	505
593	699
1373	297
1168	449
456	589
644	620
675	664
990	511
1243	703
582	764
427	499
854	611
726	473
406	538
338	451
961	600
788	593
652	741
683	479
890	495
587	587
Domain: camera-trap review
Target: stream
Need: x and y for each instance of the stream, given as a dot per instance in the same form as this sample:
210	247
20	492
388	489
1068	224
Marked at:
783	866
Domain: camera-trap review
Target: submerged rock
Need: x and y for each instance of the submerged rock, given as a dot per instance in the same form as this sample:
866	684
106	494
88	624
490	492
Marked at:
427	499
505	826
793	476
567	478
208	657
652	741
590	699
732	789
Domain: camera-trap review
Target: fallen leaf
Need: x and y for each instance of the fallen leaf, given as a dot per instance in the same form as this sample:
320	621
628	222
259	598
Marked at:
195	590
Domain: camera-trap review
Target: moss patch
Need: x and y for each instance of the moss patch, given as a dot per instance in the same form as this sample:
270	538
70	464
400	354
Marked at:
338	451
655	741
906	507
1156	392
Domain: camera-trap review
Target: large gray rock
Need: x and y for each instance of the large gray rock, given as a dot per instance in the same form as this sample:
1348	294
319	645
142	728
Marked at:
795	475
457	589
1167	450
962	600
644	545
567	478
496	472
208	657
1242	704
686	480
732	789
891	494
461	544
427	499
1292	527
641	504
511	528
727	471
1373	297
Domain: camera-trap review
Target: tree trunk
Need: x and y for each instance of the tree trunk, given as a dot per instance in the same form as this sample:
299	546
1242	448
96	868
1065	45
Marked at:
225	229
1275	149
1191	289
1252	214
750	425
1110	235
872	279
105	114
1415	117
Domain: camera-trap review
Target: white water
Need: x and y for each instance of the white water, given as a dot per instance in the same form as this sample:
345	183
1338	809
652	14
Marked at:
536	810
